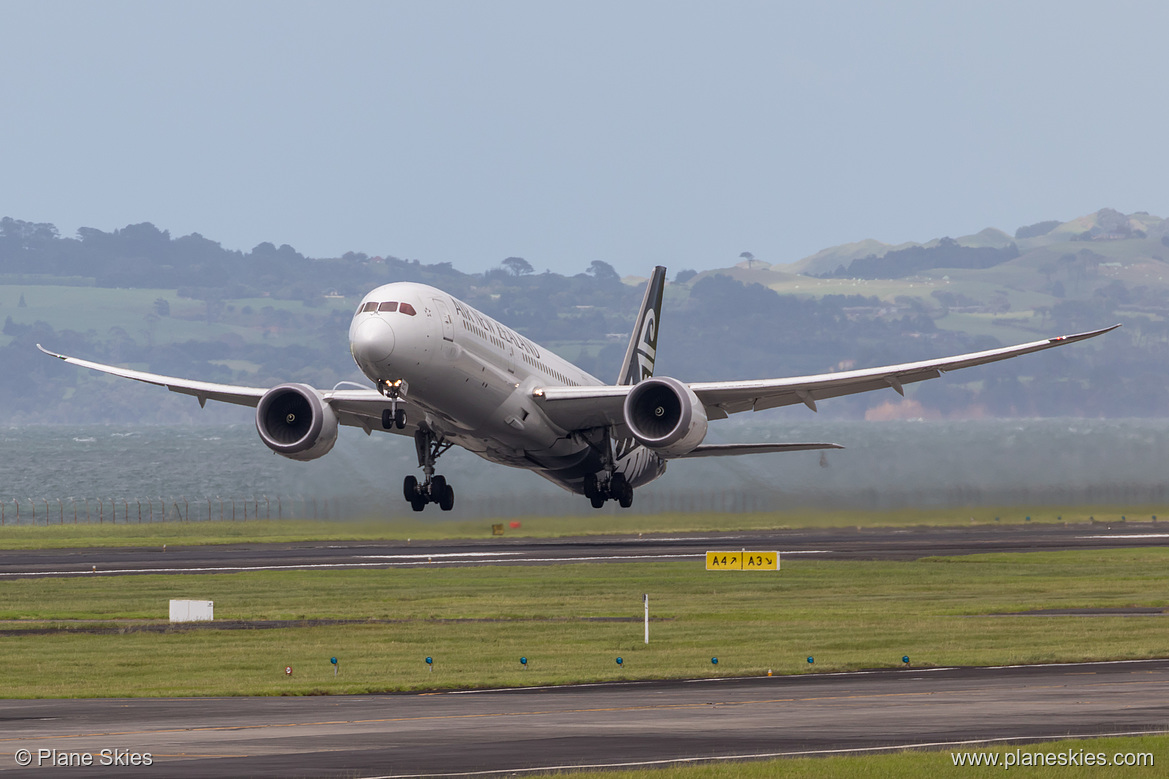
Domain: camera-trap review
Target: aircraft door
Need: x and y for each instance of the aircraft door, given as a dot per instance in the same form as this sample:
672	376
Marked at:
444	317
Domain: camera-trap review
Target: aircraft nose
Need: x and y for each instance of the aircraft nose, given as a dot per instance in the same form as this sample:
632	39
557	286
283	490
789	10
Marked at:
372	343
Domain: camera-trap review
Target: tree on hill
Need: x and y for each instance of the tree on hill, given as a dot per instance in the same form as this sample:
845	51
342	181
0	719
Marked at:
517	265
603	271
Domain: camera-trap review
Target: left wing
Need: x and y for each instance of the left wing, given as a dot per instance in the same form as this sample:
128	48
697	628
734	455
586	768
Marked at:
354	407
574	408
725	450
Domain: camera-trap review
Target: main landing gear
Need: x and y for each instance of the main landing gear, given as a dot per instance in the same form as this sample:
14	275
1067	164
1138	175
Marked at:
608	483
433	489
393	416
617	487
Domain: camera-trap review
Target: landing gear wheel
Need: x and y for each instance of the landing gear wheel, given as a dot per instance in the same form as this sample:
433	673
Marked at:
597	500
446	501
437	488
399	418
620	490
410	489
387	419
590	486
418	504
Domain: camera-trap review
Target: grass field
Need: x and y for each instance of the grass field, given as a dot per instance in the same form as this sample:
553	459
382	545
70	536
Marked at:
928	764
259	531
571	622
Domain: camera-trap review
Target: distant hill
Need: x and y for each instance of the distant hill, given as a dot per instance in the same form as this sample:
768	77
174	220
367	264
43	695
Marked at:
1106	224
185	306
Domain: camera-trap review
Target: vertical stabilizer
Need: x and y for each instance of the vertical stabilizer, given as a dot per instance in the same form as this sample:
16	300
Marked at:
643	343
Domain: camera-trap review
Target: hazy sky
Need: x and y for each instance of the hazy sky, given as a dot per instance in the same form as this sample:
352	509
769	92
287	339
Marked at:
637	133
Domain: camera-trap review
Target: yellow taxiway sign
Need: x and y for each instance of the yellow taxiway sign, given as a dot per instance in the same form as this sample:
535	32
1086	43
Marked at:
742	561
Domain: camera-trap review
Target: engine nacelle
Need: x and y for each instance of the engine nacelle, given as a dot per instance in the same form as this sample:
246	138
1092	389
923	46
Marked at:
293	421
666	416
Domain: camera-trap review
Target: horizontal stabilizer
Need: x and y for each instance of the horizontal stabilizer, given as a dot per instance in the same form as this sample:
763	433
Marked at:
726	450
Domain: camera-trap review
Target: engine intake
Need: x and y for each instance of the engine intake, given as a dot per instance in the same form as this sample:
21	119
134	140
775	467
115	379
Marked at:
665	415
294	422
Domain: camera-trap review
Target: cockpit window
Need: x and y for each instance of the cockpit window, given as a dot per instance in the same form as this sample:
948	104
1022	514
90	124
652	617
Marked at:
407	309
371	306
391	306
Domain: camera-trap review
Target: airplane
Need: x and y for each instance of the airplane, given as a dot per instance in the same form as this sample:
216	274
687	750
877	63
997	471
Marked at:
446	375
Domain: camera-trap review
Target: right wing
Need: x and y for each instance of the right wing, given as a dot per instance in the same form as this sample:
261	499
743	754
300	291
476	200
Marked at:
354	407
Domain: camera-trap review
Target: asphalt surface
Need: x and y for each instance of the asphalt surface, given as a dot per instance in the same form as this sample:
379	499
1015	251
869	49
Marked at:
636	724
833	544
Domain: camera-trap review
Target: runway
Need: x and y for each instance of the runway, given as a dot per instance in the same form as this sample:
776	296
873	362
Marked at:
833	544
610	725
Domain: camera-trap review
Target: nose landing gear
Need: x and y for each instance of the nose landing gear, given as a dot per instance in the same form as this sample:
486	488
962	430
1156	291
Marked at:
433	489
392	416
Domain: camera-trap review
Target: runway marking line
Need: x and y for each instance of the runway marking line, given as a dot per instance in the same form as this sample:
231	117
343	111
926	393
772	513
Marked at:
663	707
390	561
766	755
313	566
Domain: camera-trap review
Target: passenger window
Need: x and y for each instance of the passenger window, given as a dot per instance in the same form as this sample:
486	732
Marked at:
392	306
407	309
371	306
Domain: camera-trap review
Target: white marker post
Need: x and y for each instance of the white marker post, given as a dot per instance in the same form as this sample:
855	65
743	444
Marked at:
645	598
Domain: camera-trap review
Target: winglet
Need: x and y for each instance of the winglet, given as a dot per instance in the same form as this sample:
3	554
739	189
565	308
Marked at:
51	354
1060	339
643	342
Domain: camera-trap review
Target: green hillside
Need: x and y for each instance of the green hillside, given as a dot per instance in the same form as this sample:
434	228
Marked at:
185	306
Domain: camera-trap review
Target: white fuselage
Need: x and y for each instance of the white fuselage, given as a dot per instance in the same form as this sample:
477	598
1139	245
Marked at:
471	378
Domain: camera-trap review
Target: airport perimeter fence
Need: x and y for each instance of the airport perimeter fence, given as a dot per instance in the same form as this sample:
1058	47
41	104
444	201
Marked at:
123	511
120	511
63	511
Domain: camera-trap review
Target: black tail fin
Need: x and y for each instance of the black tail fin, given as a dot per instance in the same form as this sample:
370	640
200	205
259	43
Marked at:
643	343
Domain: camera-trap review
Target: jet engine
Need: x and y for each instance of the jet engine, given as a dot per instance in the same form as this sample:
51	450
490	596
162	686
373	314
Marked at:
666	416
293	421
